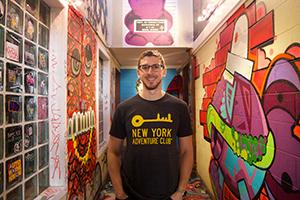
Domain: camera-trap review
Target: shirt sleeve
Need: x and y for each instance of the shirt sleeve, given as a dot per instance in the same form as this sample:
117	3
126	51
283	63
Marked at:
185	128
117	128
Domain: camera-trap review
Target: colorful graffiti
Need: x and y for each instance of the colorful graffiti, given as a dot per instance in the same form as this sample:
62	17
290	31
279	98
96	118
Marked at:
251	110
81	106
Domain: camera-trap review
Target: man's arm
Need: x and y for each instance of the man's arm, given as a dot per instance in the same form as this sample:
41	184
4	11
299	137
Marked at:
114	165
186	164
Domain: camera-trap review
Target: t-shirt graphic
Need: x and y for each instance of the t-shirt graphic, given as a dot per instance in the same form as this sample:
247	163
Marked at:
144	136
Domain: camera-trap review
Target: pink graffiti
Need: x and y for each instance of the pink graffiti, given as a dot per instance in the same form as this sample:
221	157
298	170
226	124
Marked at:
55	121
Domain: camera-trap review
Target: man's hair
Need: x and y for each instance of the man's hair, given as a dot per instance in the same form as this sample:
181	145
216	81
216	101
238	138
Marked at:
149	53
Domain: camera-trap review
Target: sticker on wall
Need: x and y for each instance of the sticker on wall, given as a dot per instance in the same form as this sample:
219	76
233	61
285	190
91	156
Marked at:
32	7
150	23
1	109
44	13
42	84
43	156
30	28
1	75
13	78
42	107
29	135
13	140
1	41
14	17
30	108
30	81
14	47
14	171
43	36
31	188
13	111
43	60
1	144
2	11
1	177
30	54
43	130
30	162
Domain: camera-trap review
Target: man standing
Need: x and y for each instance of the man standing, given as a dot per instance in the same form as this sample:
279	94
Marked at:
158	156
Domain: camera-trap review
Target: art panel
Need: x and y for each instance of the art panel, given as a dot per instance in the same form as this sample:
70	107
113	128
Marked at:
250	109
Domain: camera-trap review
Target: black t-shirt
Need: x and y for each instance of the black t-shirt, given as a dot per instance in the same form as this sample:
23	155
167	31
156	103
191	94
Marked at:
150	164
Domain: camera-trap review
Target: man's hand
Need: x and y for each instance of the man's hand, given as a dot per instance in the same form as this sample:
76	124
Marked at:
121	196
177	195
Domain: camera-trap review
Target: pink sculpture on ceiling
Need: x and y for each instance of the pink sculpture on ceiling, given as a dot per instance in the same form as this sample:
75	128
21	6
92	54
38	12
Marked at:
146	10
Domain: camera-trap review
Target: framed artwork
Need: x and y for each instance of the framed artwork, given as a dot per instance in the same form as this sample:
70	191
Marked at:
1	109
1	178
14	171
14	78
2	41
13	140
2	11
44	13
32	7
30	81
14	47
30	54
1	75
30	162
43	156
30	28
31	188
42	84
13	111
29	135
14	17
43	60
1	144
43	131
15	194
42	107
30	108
43	36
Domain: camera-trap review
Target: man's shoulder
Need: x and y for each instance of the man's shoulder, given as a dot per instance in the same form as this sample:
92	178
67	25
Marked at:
128	102
175	100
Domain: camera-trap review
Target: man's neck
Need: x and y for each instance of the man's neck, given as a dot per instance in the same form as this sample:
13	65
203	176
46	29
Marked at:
152	95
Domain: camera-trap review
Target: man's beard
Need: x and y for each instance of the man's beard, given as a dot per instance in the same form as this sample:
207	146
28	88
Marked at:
152	87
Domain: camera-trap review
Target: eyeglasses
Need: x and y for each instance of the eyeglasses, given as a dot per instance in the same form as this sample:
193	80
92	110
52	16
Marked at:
154	67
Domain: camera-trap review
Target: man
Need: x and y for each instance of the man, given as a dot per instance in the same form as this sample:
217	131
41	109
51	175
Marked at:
158	157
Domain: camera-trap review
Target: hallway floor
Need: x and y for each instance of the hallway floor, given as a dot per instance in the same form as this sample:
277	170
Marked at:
196	190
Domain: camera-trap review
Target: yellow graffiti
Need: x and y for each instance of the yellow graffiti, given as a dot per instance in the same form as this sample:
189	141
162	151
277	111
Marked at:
242	143
138	120
84	158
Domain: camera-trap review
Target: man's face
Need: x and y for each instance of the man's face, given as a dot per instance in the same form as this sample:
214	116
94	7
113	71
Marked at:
151	72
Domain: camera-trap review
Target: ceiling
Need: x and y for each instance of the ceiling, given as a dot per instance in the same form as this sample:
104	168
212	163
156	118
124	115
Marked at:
174	57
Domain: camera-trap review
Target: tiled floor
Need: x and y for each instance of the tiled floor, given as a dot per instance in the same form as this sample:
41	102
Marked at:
196	190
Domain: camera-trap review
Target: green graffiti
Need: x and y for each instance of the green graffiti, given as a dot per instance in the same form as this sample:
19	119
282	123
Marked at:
257	151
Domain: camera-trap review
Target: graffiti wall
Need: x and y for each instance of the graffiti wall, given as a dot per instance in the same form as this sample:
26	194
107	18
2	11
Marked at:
81	74
249	103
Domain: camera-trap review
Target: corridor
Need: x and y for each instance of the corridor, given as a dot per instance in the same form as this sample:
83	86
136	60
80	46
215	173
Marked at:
68	66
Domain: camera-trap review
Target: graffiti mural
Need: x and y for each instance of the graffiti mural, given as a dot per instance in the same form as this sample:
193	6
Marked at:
250	112
81	107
